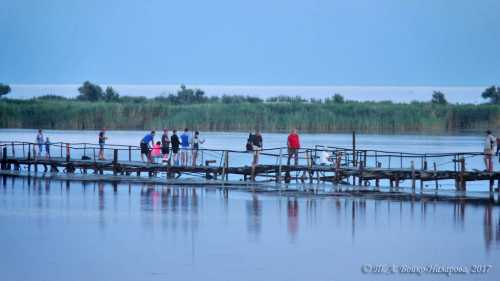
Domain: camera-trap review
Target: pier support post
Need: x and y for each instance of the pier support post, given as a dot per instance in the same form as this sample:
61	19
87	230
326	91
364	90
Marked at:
354	148
4	158
225	166
29	156
360	177
278	174
115	161
413	184
461	182
170	175
68	156
435	175
338	158
309	165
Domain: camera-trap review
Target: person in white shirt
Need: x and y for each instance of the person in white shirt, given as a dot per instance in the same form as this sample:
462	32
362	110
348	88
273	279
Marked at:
489	146
40	140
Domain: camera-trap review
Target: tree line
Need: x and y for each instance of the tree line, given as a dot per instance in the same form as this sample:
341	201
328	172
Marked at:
94	93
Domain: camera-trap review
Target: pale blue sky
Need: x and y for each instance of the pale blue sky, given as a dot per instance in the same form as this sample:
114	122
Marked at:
258	42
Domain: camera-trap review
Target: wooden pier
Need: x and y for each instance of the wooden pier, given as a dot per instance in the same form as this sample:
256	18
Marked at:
352	166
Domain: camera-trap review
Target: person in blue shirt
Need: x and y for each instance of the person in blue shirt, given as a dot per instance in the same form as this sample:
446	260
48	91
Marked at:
149	138
47	148
184	147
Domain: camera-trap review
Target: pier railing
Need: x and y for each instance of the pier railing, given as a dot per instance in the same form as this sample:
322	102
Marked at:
320	163
318	155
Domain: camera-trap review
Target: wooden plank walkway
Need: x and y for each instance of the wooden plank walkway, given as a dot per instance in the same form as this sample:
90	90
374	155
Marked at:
307	173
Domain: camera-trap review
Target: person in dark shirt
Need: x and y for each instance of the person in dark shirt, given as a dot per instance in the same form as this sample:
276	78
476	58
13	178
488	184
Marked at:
47	148
102	141
250	139
165	143
174	140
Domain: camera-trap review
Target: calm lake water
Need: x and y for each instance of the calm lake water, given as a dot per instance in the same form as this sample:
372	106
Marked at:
55	230
58	230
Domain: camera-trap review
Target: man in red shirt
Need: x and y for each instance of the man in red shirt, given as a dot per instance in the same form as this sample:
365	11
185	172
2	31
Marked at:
293	146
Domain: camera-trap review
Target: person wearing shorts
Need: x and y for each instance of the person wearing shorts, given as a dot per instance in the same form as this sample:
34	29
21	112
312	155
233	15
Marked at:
489	146
47	148
196	141
257	147
165	143
40	141
102	141
149	138
174	140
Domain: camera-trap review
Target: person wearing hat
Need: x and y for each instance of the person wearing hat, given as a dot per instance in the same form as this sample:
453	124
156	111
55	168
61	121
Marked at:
489	145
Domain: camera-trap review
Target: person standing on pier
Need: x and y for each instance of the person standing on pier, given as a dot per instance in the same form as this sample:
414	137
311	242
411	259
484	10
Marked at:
249	145
498	147
40	141
489	145
102	141
175	147
293	144
149	138
184	147
196	141
47	148
165	143
155	152
257	147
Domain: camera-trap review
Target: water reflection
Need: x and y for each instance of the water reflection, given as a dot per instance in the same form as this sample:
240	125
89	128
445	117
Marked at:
254	215
491	228
189	209
293	217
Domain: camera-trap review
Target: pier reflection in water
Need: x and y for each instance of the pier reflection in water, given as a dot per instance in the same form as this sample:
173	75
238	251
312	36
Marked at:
148	232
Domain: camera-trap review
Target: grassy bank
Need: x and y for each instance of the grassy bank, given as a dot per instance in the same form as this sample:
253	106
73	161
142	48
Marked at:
375	117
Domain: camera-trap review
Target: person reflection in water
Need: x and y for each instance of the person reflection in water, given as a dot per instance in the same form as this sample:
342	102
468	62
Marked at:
293	217
488	227
100	192
254	213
